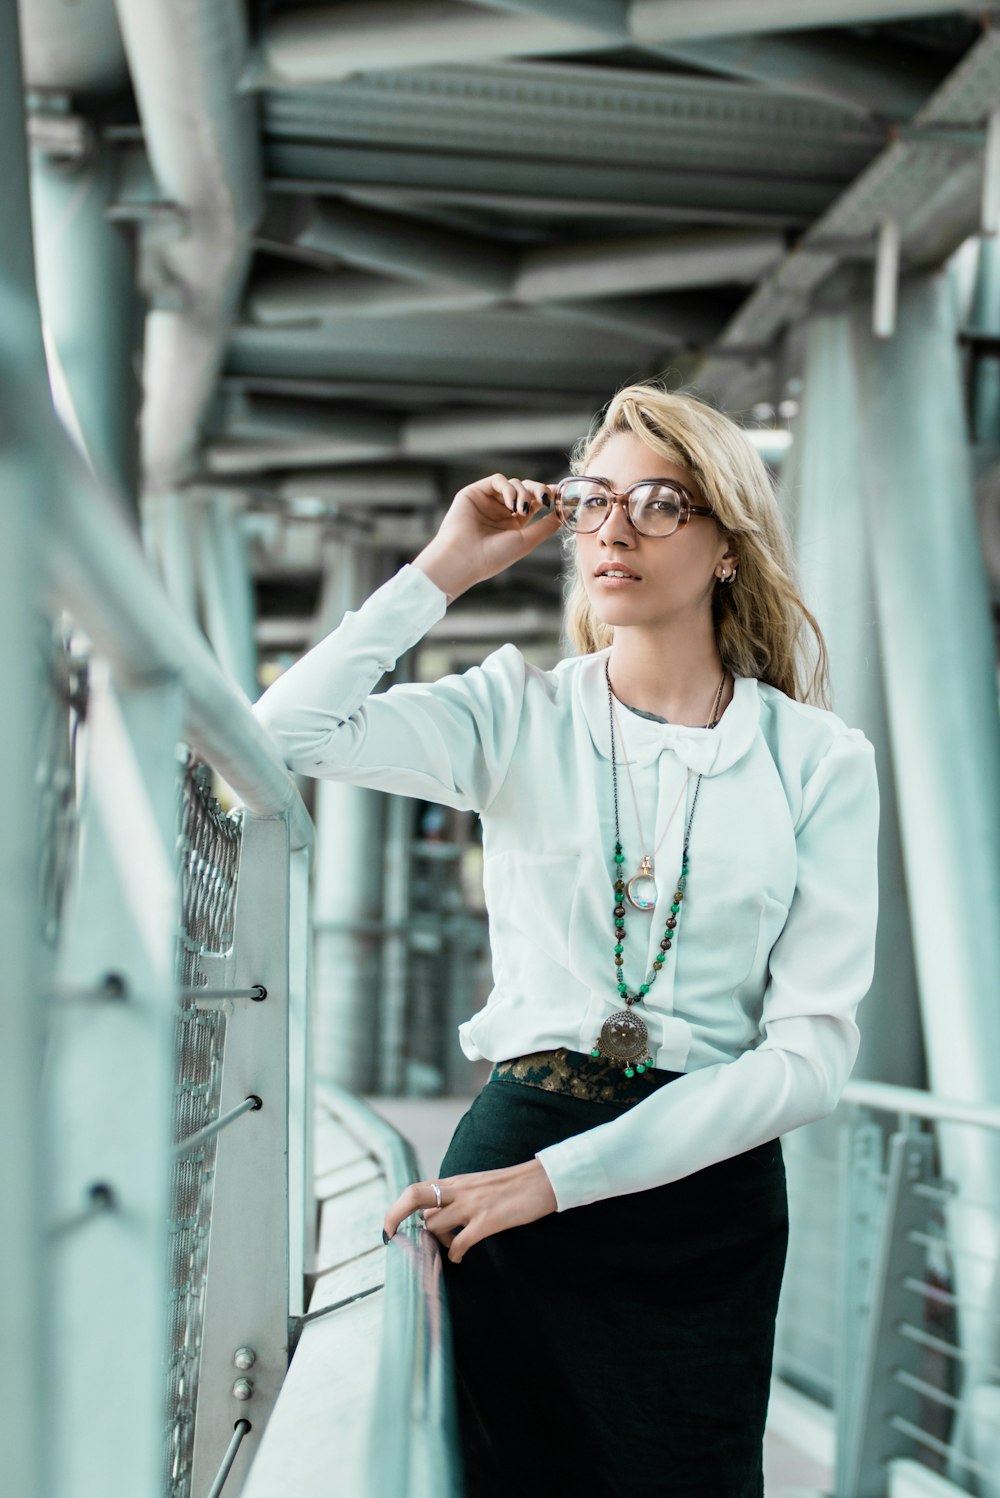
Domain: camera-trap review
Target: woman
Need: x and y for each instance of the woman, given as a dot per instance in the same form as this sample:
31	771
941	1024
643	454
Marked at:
680	874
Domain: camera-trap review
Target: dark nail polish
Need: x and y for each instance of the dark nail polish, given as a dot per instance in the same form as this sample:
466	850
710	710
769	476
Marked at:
385	1236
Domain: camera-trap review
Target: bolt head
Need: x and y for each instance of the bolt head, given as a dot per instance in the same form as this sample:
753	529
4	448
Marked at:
244	1357
243	1389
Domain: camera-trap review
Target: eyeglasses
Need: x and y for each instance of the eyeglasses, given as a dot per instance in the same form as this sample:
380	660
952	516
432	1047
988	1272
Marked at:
655	507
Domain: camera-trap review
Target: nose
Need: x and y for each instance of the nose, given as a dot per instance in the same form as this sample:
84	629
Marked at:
616	528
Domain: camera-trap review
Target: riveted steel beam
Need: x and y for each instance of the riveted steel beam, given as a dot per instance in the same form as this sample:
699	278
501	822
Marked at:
931	186
561	112
712	192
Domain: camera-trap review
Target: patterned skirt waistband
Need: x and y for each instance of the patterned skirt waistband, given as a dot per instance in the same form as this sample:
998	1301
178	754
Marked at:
594	1079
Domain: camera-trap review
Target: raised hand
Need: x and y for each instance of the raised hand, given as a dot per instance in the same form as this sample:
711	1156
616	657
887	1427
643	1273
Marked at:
489	525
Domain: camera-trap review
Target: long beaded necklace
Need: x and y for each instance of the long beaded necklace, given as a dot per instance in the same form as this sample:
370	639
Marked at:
624	1038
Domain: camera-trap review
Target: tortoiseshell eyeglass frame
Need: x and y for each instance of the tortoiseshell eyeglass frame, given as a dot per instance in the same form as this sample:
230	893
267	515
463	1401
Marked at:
687	506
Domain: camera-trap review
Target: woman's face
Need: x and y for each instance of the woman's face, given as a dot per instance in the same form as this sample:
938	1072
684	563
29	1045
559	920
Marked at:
668	576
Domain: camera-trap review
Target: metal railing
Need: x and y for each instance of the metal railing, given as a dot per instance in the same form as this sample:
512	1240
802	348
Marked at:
176	1078
890	1312
415	1379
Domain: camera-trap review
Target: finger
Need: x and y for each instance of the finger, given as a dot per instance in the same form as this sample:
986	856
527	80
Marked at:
540	493
504	487
416	1197
543	523
463	1241
525	501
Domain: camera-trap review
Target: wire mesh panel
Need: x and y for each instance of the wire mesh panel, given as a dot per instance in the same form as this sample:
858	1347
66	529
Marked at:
209	841
63	711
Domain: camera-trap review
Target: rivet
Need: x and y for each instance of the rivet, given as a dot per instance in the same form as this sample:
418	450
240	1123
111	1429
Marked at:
243	1389
244	1357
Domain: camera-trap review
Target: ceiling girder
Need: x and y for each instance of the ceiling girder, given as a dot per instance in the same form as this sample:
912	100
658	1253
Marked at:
841	69
323	168
314	45
930	187
389	242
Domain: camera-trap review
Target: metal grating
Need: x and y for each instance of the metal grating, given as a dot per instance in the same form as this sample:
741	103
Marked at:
64	709
209	841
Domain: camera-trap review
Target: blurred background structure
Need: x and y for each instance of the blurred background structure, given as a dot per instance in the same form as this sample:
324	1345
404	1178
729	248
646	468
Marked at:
275	282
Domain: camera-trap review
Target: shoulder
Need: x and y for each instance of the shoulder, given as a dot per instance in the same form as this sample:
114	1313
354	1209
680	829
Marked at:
812	745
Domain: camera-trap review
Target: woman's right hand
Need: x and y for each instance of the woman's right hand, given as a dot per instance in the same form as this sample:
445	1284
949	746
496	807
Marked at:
489	525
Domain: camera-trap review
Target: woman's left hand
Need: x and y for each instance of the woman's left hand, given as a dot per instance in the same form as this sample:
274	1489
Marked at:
473	1207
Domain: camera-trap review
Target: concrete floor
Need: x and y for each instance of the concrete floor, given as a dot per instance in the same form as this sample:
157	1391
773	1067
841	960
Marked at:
428	1123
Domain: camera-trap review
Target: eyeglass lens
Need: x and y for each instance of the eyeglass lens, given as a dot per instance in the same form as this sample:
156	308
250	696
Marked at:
654	509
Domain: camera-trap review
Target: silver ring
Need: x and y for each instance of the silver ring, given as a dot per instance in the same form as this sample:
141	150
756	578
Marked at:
437	1192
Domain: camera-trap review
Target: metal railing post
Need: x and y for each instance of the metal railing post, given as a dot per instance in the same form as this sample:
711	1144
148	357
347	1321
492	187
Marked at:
244	1342
861	1149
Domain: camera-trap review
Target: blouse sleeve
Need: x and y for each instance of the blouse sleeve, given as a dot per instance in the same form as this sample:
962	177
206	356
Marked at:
821	966
450	740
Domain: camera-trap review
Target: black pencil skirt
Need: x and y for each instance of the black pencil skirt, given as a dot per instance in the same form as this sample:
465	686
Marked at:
621	1349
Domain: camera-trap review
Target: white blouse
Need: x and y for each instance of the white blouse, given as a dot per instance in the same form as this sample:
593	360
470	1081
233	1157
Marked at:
756	1001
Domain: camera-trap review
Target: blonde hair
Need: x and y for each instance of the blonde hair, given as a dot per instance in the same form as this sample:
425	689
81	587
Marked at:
760	617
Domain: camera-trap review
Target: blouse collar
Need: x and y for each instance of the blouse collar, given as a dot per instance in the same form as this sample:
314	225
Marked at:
705	751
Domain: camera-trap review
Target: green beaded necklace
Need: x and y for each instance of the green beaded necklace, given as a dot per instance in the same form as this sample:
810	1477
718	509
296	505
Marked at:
624	1038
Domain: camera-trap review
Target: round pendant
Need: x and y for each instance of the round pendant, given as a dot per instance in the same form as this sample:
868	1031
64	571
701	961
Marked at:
640	891
623	1037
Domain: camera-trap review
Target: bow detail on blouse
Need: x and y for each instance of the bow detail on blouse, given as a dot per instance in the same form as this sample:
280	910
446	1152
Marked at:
704	751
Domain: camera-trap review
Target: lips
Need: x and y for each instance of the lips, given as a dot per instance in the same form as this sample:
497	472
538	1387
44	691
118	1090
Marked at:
630	576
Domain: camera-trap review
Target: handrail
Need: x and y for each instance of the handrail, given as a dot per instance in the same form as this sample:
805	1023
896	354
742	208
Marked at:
415	1390
915	1103
98	570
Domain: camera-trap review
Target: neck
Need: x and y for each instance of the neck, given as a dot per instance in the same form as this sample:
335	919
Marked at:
672	669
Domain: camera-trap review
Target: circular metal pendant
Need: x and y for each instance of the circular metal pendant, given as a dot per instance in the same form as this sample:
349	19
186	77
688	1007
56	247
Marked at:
623	1037
640	891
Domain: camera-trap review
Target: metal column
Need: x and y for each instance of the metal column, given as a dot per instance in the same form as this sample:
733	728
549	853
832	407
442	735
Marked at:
833	548
25	481
226	589
347	888
90	307
940	684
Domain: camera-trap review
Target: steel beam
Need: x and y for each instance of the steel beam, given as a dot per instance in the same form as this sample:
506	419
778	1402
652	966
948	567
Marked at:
932	188
27	481
440	434
662	20
90	307
110	1086
347	892
385	242
833	545
844	70
309	296
200	131
226	588
637	263
76	48
312	46
313	167
939	656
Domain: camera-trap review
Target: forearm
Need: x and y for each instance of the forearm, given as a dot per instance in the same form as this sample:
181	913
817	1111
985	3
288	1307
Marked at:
447	568
323	689
702	1118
